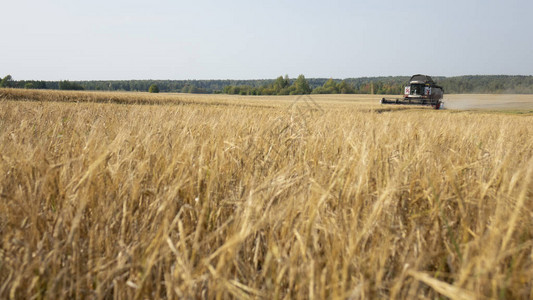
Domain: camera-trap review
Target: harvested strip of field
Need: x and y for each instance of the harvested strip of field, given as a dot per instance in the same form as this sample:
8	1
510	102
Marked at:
245	201
490	102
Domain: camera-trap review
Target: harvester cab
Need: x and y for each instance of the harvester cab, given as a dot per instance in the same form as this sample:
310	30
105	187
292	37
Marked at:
421	90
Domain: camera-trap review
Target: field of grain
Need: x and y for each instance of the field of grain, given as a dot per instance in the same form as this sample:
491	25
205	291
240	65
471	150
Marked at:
142	196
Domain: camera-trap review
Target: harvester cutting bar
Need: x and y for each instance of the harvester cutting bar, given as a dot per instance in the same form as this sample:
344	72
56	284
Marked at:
407	101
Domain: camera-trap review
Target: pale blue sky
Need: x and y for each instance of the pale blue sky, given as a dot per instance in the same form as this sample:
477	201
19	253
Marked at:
204	39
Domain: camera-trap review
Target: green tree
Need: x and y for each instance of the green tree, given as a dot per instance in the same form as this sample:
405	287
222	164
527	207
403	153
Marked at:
345	88
153	89
301	86
280	84
7	81
67	85
331	87
287	80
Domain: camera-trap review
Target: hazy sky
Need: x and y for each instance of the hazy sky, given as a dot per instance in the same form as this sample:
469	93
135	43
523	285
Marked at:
234	39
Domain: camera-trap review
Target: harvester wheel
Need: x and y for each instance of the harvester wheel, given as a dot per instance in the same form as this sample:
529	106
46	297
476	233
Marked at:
437	105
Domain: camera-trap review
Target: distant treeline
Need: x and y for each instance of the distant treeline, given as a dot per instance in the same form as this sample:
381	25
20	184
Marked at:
393	85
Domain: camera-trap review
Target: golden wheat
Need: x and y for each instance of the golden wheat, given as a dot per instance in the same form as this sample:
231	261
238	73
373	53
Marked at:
218	196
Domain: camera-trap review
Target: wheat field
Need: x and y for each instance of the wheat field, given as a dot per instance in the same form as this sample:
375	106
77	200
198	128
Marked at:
142	196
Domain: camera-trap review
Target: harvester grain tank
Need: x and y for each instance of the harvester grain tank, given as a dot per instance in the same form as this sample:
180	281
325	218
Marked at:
421	90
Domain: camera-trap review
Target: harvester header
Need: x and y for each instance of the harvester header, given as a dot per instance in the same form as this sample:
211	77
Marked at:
421	90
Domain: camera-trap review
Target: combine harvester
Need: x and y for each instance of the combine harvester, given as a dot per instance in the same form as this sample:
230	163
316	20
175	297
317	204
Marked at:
422	90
